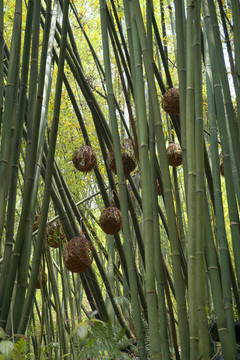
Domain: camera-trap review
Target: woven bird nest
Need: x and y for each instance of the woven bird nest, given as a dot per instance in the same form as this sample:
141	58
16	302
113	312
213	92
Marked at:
84	159
55	234
78	254
174	154
36	222
42	278
128	152
170	101
111	220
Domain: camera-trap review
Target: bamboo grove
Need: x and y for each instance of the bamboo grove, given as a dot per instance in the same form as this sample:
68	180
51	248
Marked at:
95	75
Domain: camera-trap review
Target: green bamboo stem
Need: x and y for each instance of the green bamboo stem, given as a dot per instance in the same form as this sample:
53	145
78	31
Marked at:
221	232
147	206
216	287
1	60
225	87
236	34
191	189
204	346
16	155
230	190
122	187
181	66
48	178
8	115
30	167
173	235
22	273
60	320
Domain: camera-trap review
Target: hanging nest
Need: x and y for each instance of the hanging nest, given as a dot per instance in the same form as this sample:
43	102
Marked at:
55	234
42	278
170	101
84	159
128	151
36	222
174	154
78	254
111	220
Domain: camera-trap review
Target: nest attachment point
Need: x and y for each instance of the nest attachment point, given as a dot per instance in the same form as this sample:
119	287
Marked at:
128	152
174	154
170	101
55	234
84	159
78	254
43	279
111	220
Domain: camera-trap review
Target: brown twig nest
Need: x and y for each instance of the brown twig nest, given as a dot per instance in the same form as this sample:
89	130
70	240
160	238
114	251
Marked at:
43	279
111	220
128	151
84	159
78	254
170	101
174	154
36	222
55	234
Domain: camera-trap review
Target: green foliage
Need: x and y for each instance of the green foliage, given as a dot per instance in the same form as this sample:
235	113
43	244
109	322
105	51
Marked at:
6	348
102	341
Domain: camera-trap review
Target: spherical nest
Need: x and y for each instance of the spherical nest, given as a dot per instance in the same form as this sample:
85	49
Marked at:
174	154
84	159
36	222
43	277
111	220
128	151
170	101
55	234
78	254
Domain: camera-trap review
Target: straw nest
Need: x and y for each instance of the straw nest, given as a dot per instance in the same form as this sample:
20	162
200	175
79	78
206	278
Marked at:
42	278
78	254
128	152
170	101
55	234
174	154
84	159
111	220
